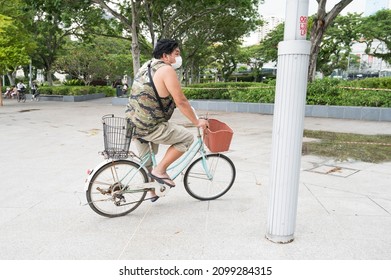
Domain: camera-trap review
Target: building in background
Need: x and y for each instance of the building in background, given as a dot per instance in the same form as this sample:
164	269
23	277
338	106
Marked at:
257	36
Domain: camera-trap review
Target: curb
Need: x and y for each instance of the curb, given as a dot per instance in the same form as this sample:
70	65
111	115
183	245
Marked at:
69	98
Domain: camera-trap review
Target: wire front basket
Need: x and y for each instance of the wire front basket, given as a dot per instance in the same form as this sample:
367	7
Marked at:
117	135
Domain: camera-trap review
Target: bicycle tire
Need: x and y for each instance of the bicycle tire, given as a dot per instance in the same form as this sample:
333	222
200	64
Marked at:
110	192
223	176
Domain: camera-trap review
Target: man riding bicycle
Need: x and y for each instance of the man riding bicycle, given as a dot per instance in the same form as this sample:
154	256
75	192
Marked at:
155	93
20	88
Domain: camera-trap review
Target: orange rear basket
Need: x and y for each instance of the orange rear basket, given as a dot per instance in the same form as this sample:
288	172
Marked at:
218	136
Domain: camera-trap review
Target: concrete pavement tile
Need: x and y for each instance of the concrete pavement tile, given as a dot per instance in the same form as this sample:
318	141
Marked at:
383	203
365	227
8	214
383	168
23	245
351	206
324	191
51	223
179	246
38	220
87	246
241	247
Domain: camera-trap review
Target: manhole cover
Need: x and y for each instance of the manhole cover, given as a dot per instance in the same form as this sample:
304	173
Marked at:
334	170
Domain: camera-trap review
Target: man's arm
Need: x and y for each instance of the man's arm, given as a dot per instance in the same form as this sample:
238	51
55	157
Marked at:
173	86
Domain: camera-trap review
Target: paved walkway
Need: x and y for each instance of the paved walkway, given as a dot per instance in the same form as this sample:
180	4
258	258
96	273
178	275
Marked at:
48	146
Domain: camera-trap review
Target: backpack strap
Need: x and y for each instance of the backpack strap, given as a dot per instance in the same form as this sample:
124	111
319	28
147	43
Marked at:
154	89
156	93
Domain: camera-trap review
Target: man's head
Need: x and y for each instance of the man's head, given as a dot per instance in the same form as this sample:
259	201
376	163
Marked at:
164	46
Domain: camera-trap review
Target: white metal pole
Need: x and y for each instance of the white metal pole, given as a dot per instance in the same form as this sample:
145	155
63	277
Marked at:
288	123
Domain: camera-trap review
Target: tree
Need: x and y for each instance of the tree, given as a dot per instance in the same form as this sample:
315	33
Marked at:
53	23
252	56
219	27
15	42
200	22
18	44
128	17
321	22
98	59
226	59
269	46
5	22
377	28
336	45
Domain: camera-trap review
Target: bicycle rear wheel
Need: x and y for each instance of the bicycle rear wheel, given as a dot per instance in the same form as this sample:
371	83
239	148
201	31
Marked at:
116	188
222	171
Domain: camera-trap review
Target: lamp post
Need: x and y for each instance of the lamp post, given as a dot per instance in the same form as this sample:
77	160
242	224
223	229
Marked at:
288	123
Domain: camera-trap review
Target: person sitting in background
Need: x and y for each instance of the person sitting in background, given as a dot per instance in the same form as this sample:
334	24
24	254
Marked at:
8	92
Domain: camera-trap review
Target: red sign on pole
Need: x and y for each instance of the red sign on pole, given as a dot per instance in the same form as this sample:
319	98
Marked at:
303	25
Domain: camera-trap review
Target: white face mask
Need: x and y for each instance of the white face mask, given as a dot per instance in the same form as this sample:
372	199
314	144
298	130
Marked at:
178	62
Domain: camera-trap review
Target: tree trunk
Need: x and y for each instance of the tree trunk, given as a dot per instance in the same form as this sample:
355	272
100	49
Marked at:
132	26
321	22
11	78
1	91
135	44
149	13
49	77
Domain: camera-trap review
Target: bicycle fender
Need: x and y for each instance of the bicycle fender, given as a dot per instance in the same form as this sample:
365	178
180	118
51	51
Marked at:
93	171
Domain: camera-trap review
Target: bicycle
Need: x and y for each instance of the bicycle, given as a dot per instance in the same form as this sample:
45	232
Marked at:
118	185
21	96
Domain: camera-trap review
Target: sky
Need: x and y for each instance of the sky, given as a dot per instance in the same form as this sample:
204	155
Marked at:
277	7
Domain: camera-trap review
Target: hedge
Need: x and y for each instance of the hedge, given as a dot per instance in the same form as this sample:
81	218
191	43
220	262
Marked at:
370	92
76	90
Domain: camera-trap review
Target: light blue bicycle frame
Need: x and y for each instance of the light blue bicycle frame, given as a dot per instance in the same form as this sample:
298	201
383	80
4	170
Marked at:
177	167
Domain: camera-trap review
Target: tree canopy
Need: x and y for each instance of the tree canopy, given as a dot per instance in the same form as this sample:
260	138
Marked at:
378	27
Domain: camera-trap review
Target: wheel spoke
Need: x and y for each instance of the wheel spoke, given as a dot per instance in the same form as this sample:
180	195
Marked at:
200	186
117	198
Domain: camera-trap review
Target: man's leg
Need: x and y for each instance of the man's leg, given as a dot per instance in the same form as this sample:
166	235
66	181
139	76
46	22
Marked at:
172	154
179	138
143	149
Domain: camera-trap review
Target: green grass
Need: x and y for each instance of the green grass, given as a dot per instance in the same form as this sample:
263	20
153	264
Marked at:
343	146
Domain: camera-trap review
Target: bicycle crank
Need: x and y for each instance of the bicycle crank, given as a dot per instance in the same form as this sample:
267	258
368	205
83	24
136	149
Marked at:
161	189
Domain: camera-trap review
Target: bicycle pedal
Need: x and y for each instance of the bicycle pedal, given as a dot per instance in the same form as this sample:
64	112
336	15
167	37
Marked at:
161	189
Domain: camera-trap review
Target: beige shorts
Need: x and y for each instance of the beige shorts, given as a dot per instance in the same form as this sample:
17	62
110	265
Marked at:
168	134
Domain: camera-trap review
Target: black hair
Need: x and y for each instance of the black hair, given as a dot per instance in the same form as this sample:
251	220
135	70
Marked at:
164	46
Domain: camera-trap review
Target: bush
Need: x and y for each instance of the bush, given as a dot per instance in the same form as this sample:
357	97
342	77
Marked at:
229	90
320	92
74	82
259	95
323	92
350	93
76	90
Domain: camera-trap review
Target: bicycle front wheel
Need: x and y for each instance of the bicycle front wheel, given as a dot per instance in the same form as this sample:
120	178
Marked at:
116	188
210	178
